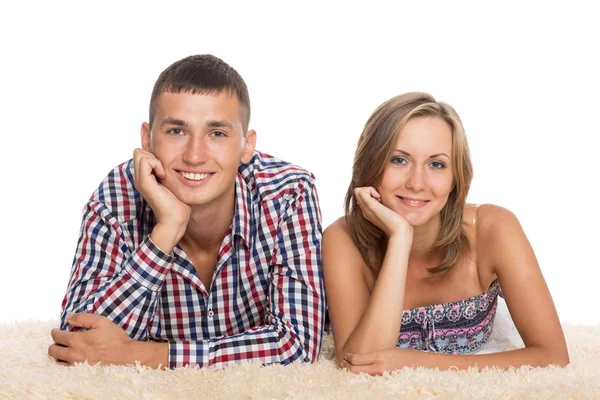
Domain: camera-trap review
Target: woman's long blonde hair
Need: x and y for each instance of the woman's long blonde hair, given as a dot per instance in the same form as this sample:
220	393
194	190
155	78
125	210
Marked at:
373	152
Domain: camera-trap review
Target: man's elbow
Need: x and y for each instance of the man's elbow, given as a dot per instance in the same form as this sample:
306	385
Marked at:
295	351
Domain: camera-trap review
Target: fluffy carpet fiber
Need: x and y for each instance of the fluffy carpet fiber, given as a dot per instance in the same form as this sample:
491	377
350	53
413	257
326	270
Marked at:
27	372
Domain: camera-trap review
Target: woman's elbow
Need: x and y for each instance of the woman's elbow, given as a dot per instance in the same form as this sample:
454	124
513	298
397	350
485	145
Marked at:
560	360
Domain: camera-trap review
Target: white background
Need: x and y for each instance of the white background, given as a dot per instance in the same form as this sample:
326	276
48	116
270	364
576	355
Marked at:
76	79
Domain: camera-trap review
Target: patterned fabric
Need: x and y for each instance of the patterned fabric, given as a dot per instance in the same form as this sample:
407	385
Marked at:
453	328
266	301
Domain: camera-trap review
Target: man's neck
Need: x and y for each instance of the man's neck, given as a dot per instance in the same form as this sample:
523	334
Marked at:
207	226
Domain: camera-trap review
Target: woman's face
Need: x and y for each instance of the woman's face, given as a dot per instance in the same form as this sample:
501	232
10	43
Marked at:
418	176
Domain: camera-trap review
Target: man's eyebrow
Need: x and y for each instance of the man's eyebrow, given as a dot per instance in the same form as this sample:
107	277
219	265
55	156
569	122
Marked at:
218	124
173	121
431	156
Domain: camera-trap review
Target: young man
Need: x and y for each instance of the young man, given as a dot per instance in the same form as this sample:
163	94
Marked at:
200	250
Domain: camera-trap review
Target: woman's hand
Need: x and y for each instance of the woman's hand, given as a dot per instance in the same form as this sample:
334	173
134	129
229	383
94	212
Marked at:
390	222
378	362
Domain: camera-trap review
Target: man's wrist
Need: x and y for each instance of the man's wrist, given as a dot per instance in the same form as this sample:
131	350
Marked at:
166	237
150	354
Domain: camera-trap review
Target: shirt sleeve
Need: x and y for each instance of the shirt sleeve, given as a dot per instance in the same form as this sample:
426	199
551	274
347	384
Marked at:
293	325
111	276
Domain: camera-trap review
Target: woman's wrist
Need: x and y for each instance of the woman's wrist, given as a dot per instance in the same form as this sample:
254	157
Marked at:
402	238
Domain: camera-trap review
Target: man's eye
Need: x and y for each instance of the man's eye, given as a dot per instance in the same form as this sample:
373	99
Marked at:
175	131
219	134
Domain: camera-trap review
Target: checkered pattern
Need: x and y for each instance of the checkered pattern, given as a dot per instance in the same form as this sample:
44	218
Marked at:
266	301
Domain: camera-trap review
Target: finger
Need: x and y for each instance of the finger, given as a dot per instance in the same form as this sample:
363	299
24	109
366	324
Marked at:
139	153
357	359
374	193
368	193
357	192
159	169
61	337
345	364
361	195
150	164
59	353
137	156
360	190
63	363
85	320
371	369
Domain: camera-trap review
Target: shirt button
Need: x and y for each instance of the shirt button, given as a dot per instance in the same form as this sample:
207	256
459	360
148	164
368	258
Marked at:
211	313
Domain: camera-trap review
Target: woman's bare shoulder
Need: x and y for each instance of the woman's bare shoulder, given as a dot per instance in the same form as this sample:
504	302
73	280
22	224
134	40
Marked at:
339	245
491	217
496	226
338	229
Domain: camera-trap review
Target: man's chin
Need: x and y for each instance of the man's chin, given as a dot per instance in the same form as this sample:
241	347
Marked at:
195	202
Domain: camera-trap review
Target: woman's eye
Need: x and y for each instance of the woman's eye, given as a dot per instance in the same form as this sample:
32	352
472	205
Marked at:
398	160
437	165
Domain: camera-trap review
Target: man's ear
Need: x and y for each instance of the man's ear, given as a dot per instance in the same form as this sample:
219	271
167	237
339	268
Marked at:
145	136
249	145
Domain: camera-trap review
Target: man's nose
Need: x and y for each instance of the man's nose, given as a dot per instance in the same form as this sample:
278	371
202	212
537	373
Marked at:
196	150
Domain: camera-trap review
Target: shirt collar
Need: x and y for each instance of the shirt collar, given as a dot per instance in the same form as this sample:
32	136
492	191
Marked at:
243	210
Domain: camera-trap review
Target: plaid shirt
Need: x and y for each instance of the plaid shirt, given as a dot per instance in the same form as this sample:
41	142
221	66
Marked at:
266	301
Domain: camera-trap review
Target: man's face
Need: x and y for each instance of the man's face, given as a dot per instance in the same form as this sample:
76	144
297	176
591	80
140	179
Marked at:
199	140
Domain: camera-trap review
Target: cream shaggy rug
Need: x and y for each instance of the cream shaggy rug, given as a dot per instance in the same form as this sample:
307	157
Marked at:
27	372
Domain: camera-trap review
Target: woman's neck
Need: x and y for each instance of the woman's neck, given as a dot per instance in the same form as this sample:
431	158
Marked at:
424	238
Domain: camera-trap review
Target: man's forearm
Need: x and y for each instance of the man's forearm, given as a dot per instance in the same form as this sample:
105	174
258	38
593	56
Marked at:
201	353
150	354
137	281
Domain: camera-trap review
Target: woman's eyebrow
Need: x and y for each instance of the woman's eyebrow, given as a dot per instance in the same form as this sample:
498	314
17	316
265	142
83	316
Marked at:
431	156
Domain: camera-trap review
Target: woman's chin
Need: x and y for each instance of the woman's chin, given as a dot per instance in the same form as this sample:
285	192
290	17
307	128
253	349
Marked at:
415	219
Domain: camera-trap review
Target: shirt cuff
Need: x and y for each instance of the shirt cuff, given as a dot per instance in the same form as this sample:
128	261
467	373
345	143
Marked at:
188	353
149	265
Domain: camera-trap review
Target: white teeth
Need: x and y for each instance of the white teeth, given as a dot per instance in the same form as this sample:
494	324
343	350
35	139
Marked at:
194	177
415	201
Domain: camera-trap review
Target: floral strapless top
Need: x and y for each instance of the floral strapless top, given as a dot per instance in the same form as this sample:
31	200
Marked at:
459	327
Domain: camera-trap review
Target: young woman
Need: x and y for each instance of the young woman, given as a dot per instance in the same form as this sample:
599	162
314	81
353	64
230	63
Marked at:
413	273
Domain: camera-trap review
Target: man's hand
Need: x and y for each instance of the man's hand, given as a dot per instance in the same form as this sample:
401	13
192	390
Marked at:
103	342
172	215
392	223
